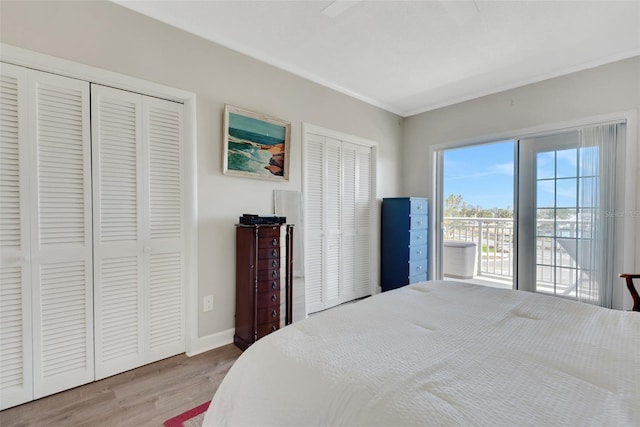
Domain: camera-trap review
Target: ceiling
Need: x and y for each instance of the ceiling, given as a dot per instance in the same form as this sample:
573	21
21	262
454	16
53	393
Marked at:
408	57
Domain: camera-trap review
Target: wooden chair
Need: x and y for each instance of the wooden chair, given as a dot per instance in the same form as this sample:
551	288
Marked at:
634	293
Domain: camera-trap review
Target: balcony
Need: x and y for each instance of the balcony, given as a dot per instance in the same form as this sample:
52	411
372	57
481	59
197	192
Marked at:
493	242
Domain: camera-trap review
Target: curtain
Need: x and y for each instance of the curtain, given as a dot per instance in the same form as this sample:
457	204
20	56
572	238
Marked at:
596	217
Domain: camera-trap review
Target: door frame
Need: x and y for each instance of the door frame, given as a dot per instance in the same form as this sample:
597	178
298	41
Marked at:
626	231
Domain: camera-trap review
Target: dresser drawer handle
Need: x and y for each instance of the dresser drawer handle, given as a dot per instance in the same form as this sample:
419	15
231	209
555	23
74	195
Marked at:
419	267
419	252
419	207
274	263
274	284
419	222
274	297
274	274
274	328
274	253
419	238
275	242
274	313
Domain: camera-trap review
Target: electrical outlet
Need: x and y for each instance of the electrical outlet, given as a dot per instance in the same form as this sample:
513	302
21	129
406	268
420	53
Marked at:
208	303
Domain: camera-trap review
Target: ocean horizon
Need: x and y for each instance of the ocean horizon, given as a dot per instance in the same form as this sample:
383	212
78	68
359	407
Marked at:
246	135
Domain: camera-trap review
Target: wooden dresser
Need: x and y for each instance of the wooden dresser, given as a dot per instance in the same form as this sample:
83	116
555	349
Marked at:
263	281
404	241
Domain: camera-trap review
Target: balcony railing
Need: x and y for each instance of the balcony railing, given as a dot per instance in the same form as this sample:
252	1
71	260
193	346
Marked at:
494	239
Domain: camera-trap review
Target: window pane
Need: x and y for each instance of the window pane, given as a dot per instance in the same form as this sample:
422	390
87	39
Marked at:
585	226
566	222
544	250
545	279
589	164
546	194
545	164
545	223
566	250
589	194
566	193
567	163
565	281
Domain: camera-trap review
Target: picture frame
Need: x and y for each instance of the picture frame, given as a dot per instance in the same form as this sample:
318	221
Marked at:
255	145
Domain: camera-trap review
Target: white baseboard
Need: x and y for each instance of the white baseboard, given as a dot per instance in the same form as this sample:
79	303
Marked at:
209	342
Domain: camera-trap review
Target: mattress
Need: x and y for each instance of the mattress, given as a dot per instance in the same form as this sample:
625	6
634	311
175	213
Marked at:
441	353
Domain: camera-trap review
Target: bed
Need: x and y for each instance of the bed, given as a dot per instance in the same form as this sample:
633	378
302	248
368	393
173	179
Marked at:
441	353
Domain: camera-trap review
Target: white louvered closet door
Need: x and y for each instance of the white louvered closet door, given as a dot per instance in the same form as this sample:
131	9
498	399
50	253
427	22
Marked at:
139	238
46	294
16	383
333	232
364	203
164	232
349	221
338	186
314	222
118	224
355	217
61	238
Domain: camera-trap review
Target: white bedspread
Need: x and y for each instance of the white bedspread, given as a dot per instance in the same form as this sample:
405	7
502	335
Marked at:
441	353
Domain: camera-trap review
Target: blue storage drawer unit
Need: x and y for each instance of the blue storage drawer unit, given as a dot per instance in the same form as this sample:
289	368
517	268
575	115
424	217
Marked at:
404	241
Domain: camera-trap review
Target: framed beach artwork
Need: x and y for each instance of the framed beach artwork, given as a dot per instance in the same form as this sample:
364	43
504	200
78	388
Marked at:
255	145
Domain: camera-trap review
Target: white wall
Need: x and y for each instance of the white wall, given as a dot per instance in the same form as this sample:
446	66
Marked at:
604	90
110	37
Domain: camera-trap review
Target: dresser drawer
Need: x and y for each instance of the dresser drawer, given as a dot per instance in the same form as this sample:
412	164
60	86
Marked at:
269	237
417	267
268	314
269	242
269	231
419	222
267	328
269	299
417	278
269	263
418	237
270	274
419	206
268	285
270	252
417	253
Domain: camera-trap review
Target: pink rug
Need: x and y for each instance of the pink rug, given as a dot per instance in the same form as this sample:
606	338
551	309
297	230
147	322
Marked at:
191	418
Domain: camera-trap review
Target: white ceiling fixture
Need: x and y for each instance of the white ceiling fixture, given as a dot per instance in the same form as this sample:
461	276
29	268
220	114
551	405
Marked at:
413	56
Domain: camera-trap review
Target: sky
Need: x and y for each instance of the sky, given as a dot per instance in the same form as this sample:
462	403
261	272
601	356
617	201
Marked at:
482	174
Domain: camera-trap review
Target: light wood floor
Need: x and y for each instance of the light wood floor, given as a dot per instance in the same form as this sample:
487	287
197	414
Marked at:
146	396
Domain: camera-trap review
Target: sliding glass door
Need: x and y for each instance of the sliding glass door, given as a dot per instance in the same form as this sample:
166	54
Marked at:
564	217
566	190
